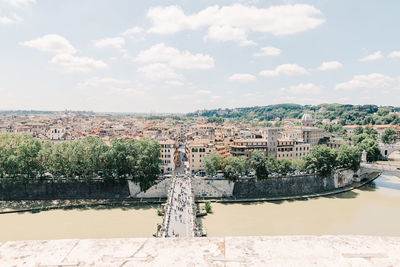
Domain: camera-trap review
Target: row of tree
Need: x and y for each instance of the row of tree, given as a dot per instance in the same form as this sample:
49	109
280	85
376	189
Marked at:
321	159
25	158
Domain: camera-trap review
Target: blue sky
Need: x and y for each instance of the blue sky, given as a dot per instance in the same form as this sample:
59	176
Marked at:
180	56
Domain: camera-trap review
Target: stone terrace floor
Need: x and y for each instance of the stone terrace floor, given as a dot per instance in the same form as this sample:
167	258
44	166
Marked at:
215	251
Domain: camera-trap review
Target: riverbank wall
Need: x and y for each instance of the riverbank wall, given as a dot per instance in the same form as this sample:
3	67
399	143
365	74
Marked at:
64	190
202	187
291	186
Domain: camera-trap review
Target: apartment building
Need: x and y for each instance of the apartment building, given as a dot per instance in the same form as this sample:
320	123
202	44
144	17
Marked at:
196	151
292	149
313	135
245	147
169	155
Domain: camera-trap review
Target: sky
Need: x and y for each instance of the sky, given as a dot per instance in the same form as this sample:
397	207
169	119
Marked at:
185	55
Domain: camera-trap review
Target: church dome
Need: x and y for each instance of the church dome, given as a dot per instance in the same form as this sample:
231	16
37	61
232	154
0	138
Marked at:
307	117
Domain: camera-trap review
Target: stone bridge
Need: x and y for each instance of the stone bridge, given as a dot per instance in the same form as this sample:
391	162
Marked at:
180	210
380	167
387	149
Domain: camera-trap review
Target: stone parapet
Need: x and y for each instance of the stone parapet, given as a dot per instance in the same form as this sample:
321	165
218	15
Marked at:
216	251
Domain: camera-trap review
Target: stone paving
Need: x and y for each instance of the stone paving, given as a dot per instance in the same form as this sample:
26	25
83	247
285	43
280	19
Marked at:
216	251
179	214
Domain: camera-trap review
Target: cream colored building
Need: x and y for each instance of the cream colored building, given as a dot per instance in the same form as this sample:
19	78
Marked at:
196	151
292	149
245	147
313	135
169	154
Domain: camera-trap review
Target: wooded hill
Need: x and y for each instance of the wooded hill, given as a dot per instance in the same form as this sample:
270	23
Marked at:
346	114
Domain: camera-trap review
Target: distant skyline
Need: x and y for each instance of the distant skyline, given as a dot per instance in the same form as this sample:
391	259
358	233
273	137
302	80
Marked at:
181	56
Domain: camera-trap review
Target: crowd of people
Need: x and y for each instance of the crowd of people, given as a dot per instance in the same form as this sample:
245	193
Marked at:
179	222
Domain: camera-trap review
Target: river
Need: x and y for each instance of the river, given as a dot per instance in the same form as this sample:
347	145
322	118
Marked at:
76	223
371	210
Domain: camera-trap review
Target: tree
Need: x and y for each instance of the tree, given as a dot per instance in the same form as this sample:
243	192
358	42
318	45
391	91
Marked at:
370	131
207	206
146	169
259	164
299	164
349	157
321	159
371	147
357	139
234	167
358	130
212	163
284	166
273	164
389	136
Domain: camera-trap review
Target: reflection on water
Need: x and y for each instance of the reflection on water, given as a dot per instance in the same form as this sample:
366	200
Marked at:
371	210
80	223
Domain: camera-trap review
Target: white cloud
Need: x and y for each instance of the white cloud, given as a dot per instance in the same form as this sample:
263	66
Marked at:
19	3
268	51
286	69
203	92
394	54
302	89
14	18
330	65
72	63
373	80
242	77
375	56
223	33
127	91
97	81
116	42
158	71
51	43
133	31
175	58
277	20
174	83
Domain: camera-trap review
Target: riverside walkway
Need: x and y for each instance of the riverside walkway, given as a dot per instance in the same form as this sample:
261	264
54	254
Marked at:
180	210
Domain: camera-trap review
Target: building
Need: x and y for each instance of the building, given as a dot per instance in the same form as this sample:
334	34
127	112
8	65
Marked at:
222	150
312	135
307	120
245	147
272	135
169	155
196	151
292	149
57	133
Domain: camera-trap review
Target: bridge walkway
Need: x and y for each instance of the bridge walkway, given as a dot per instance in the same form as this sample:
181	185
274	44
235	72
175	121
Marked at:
180	210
